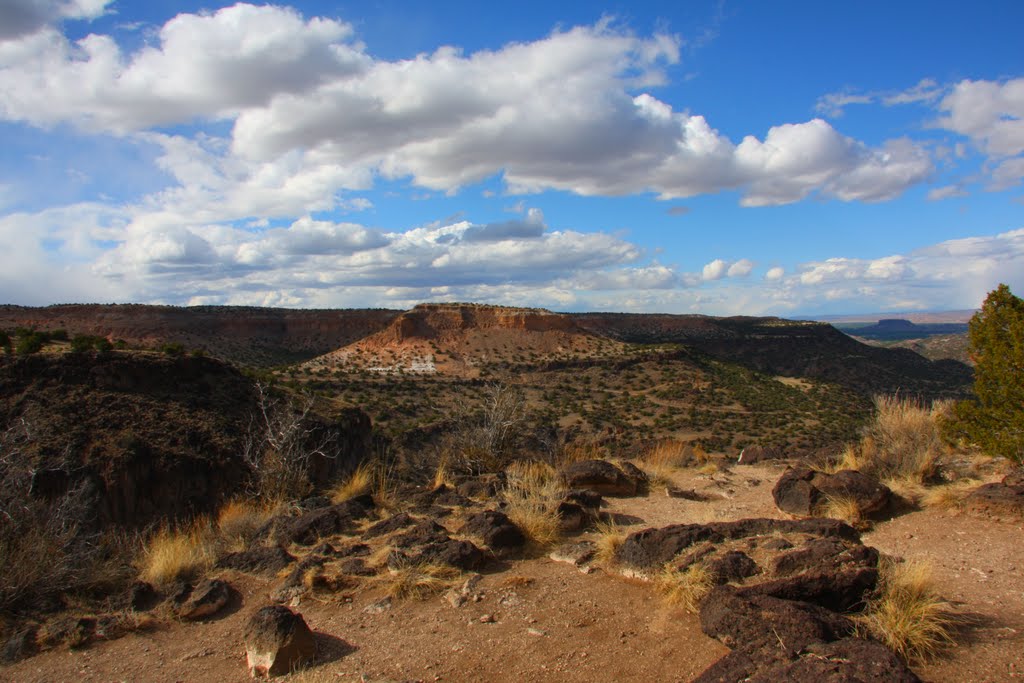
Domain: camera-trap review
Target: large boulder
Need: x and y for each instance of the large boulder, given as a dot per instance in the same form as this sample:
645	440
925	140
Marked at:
604	477
804	491
1002	501
277	641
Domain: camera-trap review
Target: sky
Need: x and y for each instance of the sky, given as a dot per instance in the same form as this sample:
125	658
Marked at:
711	156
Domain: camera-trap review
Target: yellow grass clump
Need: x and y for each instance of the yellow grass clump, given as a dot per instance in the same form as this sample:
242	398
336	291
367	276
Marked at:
239	520
901	442
610	538
684	588
533	492
844	508
662	461
949	496
907	614
172	554
359	482
418	581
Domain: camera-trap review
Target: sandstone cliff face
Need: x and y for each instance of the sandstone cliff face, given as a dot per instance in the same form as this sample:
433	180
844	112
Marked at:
443	321
145	436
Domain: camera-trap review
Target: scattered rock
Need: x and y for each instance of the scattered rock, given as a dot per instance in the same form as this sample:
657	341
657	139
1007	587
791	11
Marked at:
483	487
457	597
378	606
277	641
603	477
585	498
206	599
267	559
393	523
575	554
356	566
495	529
461	554
20	645
486	619
803	491
424	532
686	494
141	597
308	528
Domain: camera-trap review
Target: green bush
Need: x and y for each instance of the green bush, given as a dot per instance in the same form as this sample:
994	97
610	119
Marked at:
994	419
173	348
30	343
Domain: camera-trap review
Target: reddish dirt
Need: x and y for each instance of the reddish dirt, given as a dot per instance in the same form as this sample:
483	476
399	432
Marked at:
551	622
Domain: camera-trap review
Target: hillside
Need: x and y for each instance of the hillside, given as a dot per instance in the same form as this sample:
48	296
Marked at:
250	335
463	339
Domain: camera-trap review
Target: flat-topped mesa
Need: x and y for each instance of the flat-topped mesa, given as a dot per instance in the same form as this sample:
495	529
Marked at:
438	321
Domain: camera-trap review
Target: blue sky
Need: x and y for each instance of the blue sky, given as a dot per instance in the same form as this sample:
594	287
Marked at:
786	158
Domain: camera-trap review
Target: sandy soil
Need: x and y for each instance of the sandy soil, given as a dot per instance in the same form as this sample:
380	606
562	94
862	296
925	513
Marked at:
540	620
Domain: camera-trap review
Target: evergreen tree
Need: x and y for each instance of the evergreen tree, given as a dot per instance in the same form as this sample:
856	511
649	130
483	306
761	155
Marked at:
995	418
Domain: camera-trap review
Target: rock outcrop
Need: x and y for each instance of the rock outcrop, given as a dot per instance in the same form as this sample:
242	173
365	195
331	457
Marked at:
277	641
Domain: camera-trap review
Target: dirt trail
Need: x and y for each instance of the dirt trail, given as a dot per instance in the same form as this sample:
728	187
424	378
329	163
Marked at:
539	620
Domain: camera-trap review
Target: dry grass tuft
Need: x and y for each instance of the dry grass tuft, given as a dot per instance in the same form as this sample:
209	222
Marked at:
533	491
708	469
172	554
901	442
418	581
359	482
442	475
578	451
684	588
662	461
844	508
610	538
516	581
239	520
907	614
950	496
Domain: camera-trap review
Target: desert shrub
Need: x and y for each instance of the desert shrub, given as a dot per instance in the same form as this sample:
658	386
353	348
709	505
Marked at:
907	614
902	442
684	588
281	440
661	461
239	520
58	334
485	440
44	551
532	493
102	344
30	343
417	580
81	343
173	554
994	419
173	348
5	342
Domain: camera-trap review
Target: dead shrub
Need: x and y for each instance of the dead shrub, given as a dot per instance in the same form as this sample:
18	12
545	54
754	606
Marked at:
901	442
239	520
610	538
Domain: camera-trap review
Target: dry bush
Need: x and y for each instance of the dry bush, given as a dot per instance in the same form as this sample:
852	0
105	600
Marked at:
533	492
843	508
708	469
662	461
44	550
359	482
578	451
684	588
486	438
610	538
239	520
441	475
172	554
949	496
418	581
902	441
907	614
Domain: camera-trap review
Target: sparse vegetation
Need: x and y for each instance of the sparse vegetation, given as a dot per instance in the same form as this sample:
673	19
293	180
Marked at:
240	519
907	614
684	588
609	539
418	581
173	554
532	493
902	441
359	482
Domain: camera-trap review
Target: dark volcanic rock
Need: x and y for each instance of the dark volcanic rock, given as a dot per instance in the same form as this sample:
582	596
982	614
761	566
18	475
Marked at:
841	590
652	548
760	620
802	491
461	554
20	645
603	477
267	559
732	566
141	597
425	531
206	599
847	660
277	641
310	527
1002	501
393	523
585	498
495	529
